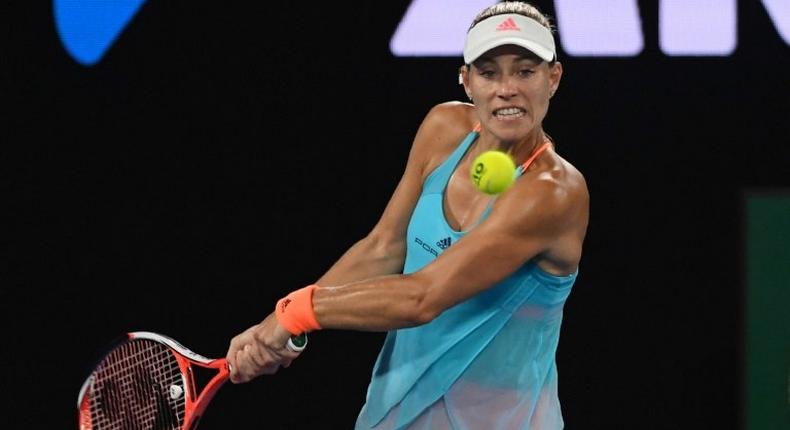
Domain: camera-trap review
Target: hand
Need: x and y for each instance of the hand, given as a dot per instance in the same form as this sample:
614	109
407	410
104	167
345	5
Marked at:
259	350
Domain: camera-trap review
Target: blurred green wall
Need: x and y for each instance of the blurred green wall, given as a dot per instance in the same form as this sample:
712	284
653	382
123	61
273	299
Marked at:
767	357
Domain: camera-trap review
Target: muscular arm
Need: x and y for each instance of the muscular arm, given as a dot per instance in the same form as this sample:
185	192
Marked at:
528	221
382	251
362	290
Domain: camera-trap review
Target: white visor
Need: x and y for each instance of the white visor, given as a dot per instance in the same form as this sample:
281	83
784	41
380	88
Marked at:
509	29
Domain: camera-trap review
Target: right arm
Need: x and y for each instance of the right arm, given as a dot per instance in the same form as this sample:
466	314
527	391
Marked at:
383	250
261	348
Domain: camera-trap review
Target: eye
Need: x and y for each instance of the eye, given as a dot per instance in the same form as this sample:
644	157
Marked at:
488	74
525	73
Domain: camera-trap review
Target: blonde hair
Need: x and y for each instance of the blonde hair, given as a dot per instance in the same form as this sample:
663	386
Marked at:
519	7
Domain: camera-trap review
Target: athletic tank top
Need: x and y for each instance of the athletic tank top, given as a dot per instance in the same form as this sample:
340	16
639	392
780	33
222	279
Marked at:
485	363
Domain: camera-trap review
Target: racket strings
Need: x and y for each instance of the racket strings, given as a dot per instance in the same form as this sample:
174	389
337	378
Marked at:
131	388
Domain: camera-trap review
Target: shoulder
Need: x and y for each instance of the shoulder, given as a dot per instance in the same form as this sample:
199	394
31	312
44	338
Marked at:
449	116
563	178
547	211
446	122
552	191
443	128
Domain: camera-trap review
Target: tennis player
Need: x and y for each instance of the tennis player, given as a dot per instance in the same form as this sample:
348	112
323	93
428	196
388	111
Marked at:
470	288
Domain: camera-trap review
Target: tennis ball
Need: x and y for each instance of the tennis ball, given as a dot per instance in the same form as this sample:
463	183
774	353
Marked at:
493	172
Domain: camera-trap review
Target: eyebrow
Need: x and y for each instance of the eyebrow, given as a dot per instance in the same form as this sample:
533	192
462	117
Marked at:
483	60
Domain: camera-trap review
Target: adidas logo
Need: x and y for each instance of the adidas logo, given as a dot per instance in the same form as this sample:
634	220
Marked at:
284	305
444	243
507	24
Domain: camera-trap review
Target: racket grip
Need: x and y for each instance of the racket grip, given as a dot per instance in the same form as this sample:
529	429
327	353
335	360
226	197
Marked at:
297	343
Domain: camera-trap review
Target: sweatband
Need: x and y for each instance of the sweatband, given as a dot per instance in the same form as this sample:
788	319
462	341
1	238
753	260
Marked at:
509	29
295	311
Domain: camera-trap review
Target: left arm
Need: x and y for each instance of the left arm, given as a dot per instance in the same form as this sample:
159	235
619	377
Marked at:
520	227
532	219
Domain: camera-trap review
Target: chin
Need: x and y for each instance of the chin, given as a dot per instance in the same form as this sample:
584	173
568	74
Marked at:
512	130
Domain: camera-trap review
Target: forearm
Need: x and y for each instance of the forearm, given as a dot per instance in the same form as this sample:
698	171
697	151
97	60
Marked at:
375	304
368	258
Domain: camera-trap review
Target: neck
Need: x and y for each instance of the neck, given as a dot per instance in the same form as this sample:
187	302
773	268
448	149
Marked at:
520	150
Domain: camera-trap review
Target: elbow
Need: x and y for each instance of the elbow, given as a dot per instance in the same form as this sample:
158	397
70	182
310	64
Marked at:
424	315
426	307
384	245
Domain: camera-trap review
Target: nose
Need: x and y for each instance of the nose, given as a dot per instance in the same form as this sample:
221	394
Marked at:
506	88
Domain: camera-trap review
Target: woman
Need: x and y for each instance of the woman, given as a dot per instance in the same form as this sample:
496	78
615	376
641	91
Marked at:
469	287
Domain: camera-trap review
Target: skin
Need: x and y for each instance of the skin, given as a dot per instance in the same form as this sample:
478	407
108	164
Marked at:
542	217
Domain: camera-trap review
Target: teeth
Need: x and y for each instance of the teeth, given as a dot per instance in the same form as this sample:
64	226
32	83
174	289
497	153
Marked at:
508	112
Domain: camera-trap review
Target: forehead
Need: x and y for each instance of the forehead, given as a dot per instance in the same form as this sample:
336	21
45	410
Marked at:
507	53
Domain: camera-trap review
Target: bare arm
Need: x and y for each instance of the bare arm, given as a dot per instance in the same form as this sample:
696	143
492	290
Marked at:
382	251
261	348
523	224
528	221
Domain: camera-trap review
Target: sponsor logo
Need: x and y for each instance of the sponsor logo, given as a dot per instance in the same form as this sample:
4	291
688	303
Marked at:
284	305
507	24
426	247
444	243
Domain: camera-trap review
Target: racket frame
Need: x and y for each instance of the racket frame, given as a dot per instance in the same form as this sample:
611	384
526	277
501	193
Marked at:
194	403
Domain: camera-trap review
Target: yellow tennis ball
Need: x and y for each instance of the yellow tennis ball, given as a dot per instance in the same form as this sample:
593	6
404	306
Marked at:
493	172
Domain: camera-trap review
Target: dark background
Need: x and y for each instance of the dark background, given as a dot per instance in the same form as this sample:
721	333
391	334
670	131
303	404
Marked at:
210	163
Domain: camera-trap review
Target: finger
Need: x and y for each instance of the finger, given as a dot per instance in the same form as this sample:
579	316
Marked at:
235	374
267	361
254	361
233	367
232	370
244	371
238	341
240	372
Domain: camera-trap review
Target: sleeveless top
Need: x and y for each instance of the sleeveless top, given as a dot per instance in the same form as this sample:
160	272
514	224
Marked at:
485	363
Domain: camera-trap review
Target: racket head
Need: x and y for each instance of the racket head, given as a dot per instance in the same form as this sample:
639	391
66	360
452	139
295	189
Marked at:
146	381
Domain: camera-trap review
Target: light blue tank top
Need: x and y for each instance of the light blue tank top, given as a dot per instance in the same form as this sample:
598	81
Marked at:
485	363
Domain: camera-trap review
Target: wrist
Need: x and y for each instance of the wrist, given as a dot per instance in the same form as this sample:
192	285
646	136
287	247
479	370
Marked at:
294	312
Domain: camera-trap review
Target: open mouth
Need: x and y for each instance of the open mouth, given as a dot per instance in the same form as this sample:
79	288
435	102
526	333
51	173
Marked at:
509	113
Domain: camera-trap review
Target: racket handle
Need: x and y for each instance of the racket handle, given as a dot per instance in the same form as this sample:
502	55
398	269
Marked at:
297	343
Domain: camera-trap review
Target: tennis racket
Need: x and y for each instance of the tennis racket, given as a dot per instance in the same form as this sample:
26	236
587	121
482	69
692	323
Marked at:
146	381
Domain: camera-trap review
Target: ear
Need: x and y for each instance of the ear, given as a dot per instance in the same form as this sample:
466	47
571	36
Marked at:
555	76
463	79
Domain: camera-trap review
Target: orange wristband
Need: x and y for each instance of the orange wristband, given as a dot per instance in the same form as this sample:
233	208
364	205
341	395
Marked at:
295	311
